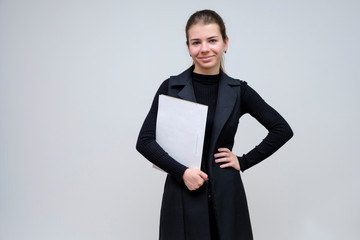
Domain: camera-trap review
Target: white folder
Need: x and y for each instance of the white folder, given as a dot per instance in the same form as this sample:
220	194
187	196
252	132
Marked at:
180	129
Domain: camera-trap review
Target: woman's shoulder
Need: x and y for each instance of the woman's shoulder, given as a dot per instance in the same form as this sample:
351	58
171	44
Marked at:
236	81
163	88
245	89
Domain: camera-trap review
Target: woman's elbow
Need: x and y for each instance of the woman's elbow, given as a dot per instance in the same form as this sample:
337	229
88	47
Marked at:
139	144
143	143
289	132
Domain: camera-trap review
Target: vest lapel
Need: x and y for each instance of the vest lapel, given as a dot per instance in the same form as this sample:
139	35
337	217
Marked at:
225	104
187	92
184	79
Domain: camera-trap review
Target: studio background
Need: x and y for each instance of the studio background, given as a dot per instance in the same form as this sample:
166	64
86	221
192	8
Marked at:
77	79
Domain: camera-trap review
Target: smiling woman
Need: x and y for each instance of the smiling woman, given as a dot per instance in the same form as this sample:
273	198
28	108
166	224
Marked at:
210	203
206	47
206	38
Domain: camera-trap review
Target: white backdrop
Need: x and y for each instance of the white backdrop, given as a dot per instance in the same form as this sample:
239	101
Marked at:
77	79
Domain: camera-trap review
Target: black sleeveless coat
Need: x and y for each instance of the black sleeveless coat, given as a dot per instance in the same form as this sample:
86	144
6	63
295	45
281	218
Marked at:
184	213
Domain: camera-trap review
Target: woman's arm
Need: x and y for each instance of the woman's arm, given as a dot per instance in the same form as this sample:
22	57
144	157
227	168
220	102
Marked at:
279	130
150	149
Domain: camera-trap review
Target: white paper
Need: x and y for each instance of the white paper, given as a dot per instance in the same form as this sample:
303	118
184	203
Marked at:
180	129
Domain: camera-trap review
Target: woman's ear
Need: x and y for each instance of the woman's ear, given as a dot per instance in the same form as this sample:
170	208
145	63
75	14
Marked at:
187	45
226	43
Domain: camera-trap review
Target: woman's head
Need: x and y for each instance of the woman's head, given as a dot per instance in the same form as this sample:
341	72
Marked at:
206	40
205	17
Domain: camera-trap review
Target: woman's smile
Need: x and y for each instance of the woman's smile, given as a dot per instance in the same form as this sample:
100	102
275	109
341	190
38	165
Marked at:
206	59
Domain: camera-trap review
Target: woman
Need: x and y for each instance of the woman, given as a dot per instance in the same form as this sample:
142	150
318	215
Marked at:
210	203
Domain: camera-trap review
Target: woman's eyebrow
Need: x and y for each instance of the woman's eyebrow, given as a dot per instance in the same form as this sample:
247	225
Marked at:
213	37
197	39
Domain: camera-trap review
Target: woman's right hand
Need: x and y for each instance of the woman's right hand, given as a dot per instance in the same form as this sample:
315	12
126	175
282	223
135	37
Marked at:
194	178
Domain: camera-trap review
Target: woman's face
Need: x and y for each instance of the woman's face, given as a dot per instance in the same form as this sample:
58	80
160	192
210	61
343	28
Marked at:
206	47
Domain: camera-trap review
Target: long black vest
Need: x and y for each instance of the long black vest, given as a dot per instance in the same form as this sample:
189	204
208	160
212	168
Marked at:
184	213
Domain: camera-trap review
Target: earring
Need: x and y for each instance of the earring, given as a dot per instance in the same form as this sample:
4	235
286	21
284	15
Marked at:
225	52
190	55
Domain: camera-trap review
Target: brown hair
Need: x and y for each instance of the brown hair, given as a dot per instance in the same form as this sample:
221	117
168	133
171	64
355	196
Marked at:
206	16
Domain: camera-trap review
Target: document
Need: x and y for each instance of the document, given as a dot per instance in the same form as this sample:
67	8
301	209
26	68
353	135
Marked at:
180	129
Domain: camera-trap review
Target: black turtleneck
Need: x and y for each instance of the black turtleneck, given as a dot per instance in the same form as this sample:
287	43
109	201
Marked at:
206	92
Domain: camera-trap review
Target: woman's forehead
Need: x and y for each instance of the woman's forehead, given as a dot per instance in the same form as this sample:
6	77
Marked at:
199	31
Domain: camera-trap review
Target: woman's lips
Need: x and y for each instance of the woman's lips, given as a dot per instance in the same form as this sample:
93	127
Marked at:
206	59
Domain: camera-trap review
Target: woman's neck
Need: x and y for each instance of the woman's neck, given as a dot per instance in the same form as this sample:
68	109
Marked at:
207	71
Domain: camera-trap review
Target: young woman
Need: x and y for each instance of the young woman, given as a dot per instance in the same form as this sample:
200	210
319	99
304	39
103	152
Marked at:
210	203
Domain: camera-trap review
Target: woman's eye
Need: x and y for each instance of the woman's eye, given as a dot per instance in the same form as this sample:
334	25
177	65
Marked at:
213	40
196	43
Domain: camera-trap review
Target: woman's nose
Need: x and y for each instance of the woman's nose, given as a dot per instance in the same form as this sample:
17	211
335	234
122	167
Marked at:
204	47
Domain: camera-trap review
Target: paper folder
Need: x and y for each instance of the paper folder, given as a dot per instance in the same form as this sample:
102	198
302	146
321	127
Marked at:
180	129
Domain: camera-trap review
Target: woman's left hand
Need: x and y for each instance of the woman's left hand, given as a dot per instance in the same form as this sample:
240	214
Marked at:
227	157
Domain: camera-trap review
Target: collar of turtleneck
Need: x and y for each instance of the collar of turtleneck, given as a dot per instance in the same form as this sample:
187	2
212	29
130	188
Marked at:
205	79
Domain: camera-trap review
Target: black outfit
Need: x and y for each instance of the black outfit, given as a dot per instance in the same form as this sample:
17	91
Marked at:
185	214
206	91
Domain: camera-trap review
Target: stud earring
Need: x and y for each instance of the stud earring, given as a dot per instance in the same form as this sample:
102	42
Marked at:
225	52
